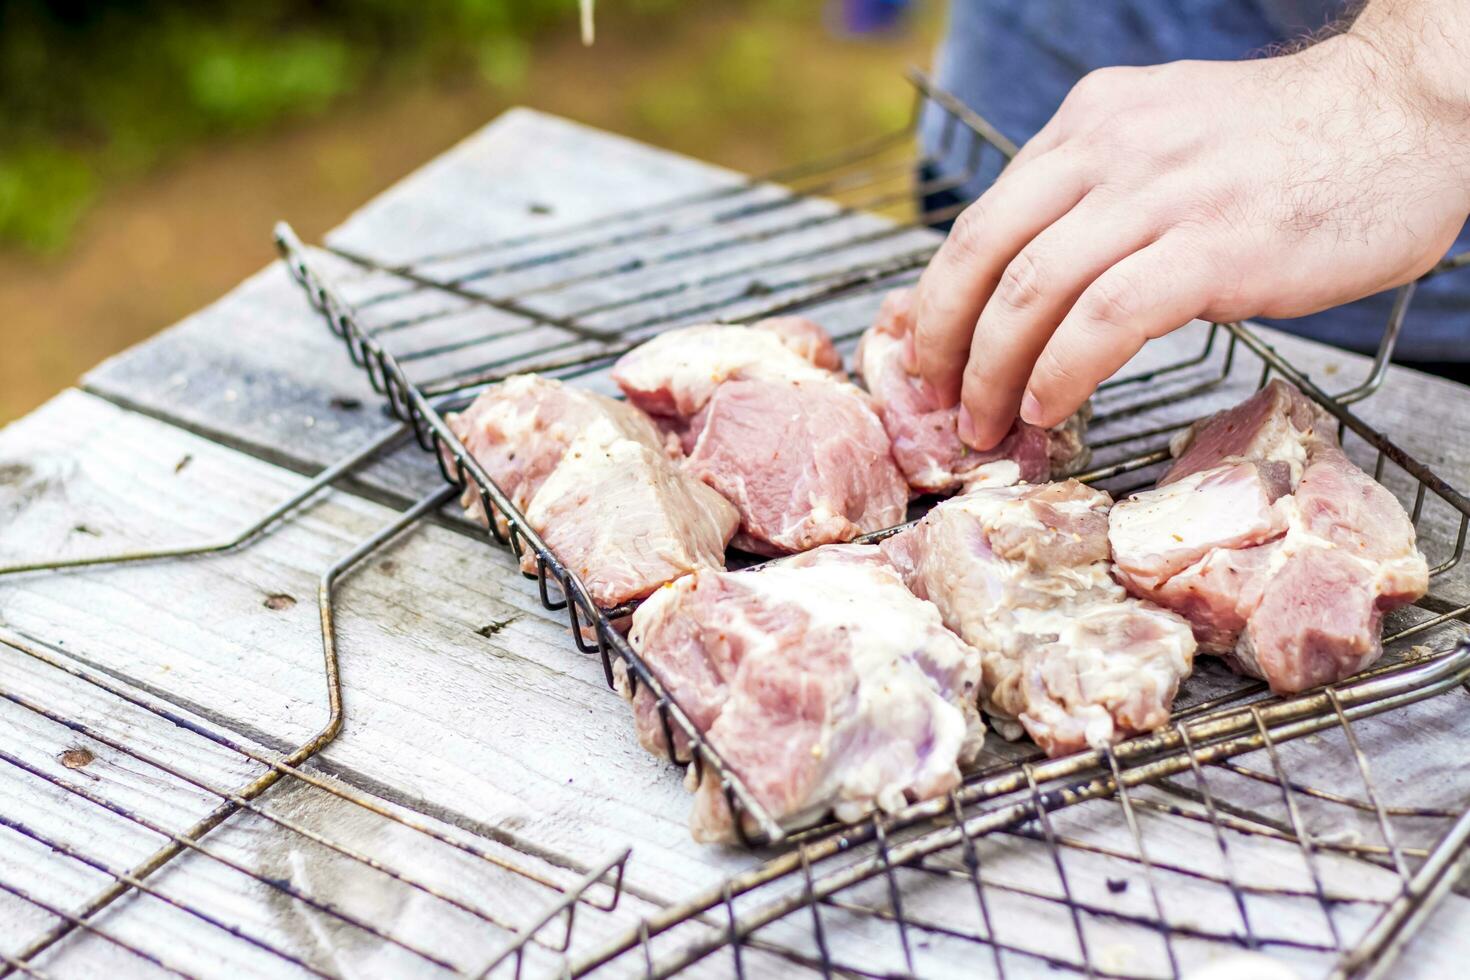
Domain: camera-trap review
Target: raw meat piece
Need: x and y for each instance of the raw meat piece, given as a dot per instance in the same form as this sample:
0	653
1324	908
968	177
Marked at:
1347	557
519	430
806	338
1272	430
795	447
1339	504
1113	671
805	463
821	680
1217	593
1282	554
674	375
1160	534
1022	574
598	481
925	436
625	518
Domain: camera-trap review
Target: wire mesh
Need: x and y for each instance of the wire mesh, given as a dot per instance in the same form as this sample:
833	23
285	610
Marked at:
559	327
1152	862
185	796
1217	833
567	303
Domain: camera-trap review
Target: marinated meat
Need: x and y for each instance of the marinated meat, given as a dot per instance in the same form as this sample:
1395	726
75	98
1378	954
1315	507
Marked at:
626	519
675	374
805	463
821	681
1157	535
519	430
926	442
1272	431
767	419
1282	553
1022	574
804	337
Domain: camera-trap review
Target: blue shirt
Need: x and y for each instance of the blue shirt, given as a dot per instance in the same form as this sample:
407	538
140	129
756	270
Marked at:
1014	61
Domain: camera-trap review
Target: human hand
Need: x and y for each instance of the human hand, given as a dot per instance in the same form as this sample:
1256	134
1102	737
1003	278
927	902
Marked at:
1218	190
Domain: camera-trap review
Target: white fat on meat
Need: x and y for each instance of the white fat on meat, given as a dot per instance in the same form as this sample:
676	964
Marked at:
1274	430
675	374
1022	574
1166	531
823	683
625	518
768	419
925	433
1277	548
519	429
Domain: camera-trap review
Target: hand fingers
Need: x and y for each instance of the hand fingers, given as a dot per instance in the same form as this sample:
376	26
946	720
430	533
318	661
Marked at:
1076	110
1048	137
1032	296
962	274
1148	294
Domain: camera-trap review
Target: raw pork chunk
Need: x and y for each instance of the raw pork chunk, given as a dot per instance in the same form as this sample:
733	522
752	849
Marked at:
519	430
805	463
1282	554
769	422
675	374
625	518
1022	574
821	680
925	436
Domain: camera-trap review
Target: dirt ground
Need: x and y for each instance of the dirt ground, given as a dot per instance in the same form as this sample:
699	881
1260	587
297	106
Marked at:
753	91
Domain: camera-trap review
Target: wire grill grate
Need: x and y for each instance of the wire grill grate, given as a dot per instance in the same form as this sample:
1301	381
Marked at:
1135	416
1231	360
1252	823
1151	862
197	807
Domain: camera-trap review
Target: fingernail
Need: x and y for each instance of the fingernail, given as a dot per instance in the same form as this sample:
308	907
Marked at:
1030	409
966	426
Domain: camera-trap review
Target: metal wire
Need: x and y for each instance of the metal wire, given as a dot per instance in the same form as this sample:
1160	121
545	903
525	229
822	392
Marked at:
528	302
576	355
983	811
598	889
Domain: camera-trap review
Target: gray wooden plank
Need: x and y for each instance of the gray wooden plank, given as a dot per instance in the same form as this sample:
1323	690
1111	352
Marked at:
259	371
463	699
272	850
490	187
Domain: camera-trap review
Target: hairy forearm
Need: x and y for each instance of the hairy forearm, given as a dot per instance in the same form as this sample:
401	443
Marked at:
1394	79
1425	46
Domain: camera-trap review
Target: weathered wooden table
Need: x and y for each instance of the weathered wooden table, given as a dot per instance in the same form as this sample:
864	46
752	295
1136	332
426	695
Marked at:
466	712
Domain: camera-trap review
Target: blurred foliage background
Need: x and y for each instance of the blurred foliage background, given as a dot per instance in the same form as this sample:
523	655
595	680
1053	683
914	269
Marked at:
146	146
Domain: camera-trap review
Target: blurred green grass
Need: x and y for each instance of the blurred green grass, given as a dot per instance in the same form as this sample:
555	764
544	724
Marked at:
146	151
93	92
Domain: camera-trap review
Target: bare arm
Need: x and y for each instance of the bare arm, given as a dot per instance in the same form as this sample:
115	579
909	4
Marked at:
1222	190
